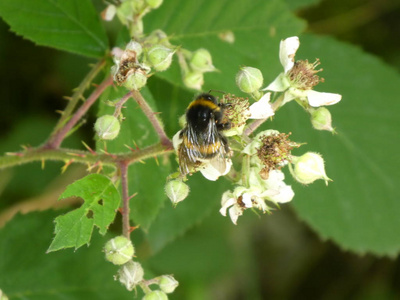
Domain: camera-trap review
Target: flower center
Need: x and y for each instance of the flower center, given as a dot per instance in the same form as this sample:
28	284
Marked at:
274	152
303	74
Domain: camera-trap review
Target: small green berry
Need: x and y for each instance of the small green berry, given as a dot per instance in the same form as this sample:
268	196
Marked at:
107	127
119	250
130	274
135	81
155	295
201	61
160	57
168	284
249	80
176	190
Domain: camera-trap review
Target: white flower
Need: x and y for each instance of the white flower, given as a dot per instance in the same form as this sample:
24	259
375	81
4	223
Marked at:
261	109
242	198
274	189
299	77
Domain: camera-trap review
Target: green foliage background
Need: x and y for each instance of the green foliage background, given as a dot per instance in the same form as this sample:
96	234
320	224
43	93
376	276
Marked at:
271	256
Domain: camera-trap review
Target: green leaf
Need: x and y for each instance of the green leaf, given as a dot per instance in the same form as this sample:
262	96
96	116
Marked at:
359	210
71	25
101	201
146	178
27	272
257	26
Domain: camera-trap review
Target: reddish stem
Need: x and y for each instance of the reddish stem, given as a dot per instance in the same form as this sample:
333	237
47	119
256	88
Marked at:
126	228
55	140
165	141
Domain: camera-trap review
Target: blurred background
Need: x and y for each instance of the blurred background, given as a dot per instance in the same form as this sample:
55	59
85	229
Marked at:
288	260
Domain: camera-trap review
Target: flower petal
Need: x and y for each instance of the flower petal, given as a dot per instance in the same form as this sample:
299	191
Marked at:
280	84
215	168
177	140
262	109
234	213
225	204
287	51
316	99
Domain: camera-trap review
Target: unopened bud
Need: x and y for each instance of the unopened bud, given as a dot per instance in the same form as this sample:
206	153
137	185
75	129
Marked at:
201	61
135	81
134	46
308	168
176	191
130	274
107	127
168	284
155	295
119	250
154	3
125	11
160	57
249	80
321	119
193	80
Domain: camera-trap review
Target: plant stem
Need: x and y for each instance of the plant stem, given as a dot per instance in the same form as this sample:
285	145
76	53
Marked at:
158	127
76	96
126	227
120	103
78	156
56	139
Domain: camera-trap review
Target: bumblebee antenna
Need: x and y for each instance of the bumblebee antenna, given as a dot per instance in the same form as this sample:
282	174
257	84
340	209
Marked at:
217	91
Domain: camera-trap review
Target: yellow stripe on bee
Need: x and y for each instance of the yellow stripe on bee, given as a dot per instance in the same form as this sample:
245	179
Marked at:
204	102
203	149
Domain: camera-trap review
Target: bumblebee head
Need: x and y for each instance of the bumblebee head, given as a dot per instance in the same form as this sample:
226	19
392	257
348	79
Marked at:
201	112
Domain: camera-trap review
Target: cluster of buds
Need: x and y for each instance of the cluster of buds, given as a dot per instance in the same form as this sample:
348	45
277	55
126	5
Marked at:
120	251
131	13
193	66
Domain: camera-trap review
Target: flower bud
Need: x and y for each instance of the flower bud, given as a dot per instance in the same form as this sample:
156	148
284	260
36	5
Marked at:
201	61
135	81
168	284
109	13
176	191
130	274
308	168
134	46
160	57
154	3
107	127
125	11
119	250
249	80
155	295
321	119
193	80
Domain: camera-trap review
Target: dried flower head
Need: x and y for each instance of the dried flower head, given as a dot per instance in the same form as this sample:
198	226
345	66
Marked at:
274	152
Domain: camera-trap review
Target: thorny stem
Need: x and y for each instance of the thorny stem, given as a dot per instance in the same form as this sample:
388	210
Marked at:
76	96
78	156
126	227
120	103
56	139
158	127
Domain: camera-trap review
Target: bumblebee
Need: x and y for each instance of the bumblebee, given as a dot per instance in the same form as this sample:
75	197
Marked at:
202	137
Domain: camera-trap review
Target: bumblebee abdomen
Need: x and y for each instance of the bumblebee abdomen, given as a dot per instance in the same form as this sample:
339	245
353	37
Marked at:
202	150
